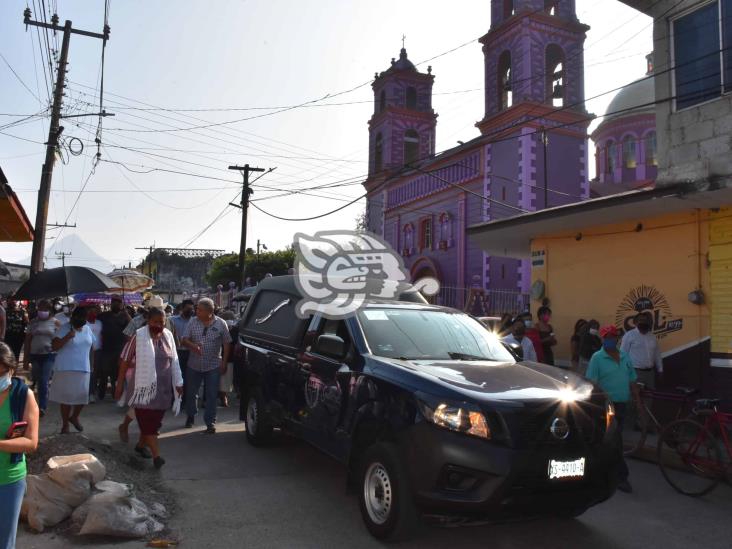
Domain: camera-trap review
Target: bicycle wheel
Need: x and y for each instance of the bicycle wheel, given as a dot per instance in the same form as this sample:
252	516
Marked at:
635	430
689	458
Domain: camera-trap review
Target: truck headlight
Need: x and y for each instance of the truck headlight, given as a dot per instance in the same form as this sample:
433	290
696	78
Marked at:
459	419
609	415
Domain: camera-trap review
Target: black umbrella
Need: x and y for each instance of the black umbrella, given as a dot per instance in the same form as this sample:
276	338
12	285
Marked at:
65	281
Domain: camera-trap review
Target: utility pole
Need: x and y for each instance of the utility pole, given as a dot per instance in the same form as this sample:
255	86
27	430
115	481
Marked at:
54	131
545	142
246	192
63	256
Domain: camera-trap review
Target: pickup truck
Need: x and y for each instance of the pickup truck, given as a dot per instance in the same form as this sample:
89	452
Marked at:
430	413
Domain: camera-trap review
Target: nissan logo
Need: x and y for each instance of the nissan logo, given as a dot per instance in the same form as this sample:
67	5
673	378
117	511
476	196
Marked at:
559	428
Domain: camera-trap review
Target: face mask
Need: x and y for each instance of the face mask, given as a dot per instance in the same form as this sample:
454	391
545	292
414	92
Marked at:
528	323
43	315
594	331
610	344
57	307
545	319
155	330
5	382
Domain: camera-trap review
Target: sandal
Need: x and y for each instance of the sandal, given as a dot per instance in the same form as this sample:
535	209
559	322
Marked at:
76	424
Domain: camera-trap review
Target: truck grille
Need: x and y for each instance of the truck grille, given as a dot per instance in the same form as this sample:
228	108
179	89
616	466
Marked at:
586	426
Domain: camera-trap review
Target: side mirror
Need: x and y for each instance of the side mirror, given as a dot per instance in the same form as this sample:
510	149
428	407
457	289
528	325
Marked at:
331	346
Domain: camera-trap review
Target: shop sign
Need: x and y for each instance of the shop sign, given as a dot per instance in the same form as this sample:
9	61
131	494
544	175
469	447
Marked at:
538	259
650	300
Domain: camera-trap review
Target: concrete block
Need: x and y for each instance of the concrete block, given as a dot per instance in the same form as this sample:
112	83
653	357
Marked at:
689	152
714	146
678	137
715	109
723	126
699	131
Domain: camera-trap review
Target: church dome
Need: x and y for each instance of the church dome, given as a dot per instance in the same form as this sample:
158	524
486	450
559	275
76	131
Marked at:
635	98
403	64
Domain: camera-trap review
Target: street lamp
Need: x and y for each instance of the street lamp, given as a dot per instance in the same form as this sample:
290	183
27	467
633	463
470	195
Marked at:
262	245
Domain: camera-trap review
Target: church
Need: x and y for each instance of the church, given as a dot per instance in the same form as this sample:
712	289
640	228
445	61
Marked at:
531	154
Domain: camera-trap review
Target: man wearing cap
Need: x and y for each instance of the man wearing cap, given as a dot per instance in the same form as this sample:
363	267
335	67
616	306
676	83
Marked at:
113	341
611	369
642	347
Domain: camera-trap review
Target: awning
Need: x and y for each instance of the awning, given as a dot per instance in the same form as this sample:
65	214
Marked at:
14	223
512	236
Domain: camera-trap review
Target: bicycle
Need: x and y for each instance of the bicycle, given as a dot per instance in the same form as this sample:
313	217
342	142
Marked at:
631	443
695	453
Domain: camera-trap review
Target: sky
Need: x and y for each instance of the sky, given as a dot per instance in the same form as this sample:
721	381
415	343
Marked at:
238	64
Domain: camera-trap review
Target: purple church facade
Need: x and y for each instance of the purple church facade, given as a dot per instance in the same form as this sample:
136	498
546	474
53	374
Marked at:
422	202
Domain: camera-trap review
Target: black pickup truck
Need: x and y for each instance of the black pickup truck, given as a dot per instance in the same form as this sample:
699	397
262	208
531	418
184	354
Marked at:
431	414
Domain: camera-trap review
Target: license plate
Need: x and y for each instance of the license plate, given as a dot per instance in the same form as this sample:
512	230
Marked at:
566	469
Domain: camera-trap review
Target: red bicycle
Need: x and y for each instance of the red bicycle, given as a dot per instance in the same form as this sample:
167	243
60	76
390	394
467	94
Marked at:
694	454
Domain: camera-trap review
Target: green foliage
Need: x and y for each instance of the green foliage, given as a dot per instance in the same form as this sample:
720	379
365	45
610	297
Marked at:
225	268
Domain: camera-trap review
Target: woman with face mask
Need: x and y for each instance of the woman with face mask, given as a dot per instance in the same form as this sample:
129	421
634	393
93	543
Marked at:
39	351
18	435
149	363
74	346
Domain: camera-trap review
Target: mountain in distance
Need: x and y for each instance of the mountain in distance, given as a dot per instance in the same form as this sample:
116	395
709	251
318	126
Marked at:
81	254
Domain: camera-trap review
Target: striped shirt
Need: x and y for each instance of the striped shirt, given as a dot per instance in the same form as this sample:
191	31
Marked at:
212	338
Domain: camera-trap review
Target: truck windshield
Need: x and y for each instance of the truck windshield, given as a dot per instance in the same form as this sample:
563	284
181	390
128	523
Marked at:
429	334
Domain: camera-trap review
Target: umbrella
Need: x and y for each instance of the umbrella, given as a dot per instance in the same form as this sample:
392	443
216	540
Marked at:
65	281
130	280
97	298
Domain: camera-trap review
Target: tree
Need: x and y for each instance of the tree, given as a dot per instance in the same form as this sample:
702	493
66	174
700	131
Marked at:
362	223
225	269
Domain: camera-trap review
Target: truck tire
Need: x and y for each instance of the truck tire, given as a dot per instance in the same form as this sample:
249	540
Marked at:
257	422
385	495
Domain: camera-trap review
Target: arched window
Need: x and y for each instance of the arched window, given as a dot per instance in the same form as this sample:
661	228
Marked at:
408	237
629	156
508	10
382	101
550	6
445	229
411	146
378	153
411	98
555	83
651	150
505	95
611	157
425	234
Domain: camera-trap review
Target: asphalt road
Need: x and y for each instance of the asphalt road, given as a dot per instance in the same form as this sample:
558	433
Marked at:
289	495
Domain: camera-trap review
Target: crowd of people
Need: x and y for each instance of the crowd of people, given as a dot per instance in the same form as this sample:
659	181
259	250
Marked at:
150	359
616	362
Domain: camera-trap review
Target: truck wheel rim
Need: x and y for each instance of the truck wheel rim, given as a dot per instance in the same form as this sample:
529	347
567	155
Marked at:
378	493
252	417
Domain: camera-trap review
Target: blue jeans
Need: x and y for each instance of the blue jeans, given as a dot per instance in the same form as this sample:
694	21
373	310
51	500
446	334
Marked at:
621	410
210	381
11	497
41	373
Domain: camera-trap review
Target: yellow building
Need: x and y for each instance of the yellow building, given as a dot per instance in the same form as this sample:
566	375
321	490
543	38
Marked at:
667	251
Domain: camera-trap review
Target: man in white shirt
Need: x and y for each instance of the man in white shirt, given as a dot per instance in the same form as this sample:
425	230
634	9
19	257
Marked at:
642	347
517	337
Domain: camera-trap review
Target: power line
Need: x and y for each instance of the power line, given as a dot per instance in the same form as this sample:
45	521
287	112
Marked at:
17	76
